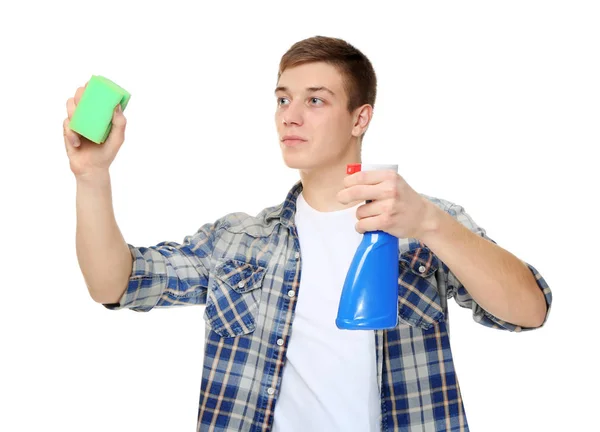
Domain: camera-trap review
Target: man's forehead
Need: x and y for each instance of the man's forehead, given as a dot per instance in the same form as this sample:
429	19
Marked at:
310	77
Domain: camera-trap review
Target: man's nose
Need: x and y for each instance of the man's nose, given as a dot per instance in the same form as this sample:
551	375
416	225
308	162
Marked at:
292	115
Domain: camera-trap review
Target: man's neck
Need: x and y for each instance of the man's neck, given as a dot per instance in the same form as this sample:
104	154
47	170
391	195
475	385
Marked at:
320	187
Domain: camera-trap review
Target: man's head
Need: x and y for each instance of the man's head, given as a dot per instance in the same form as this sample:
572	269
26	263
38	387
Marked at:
325	94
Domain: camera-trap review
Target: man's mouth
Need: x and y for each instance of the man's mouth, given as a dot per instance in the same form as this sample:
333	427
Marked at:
293	140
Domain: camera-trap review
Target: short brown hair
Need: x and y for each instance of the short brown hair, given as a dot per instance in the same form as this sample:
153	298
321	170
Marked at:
360	81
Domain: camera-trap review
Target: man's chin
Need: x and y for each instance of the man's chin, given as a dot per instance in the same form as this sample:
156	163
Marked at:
295	162
305	163
301	165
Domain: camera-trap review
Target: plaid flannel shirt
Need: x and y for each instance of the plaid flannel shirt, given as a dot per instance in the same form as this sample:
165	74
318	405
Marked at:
246	271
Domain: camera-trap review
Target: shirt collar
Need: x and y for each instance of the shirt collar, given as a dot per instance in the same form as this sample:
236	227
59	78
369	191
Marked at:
286	211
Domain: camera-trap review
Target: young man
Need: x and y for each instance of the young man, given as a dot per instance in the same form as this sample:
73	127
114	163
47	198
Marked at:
271	283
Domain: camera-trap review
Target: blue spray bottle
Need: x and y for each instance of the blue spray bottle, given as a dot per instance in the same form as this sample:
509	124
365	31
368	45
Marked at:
369	299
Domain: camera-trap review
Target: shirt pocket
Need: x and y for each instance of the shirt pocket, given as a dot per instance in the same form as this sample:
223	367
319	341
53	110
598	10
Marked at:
418	295
234	297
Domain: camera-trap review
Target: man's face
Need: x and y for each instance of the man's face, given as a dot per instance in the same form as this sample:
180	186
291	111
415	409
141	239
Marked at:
312	104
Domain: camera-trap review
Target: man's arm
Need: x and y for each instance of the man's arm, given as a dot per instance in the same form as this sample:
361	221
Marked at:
499	282
103	254
120	275
502	291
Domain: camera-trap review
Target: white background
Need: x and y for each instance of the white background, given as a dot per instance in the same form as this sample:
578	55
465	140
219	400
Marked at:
492	105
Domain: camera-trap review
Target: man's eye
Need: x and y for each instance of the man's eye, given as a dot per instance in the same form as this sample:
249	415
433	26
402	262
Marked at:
279	100
316	99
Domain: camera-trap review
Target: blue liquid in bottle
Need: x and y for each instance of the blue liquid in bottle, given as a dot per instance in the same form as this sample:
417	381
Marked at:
369	299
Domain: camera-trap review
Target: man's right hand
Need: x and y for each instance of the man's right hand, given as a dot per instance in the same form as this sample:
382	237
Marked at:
86	157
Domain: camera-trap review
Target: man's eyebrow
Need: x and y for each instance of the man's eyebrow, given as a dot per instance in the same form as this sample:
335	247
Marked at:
308	89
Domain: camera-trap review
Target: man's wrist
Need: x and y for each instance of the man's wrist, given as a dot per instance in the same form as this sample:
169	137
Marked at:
96	178
431	223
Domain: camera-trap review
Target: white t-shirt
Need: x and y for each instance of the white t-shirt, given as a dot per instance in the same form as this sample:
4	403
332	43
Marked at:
329	382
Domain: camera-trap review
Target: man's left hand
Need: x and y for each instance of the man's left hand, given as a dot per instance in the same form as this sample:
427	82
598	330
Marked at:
396	207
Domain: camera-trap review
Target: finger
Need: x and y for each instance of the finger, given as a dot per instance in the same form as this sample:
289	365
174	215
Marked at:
117	132
79	93
363	192
374	208
373	223
369	177
70	107
71	138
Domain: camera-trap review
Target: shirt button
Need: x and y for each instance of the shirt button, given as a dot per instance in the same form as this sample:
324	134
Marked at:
279	342
297	255
271	390
291	293
421	269
242	284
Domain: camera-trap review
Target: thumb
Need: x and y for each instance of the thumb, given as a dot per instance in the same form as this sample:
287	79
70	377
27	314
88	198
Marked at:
117	132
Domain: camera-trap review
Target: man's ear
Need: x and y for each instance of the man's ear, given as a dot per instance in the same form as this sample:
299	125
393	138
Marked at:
362	119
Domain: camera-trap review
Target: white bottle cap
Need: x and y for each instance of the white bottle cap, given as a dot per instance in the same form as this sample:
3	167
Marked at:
375	167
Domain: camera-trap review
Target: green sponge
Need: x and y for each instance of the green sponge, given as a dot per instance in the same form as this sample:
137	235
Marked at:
93	116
